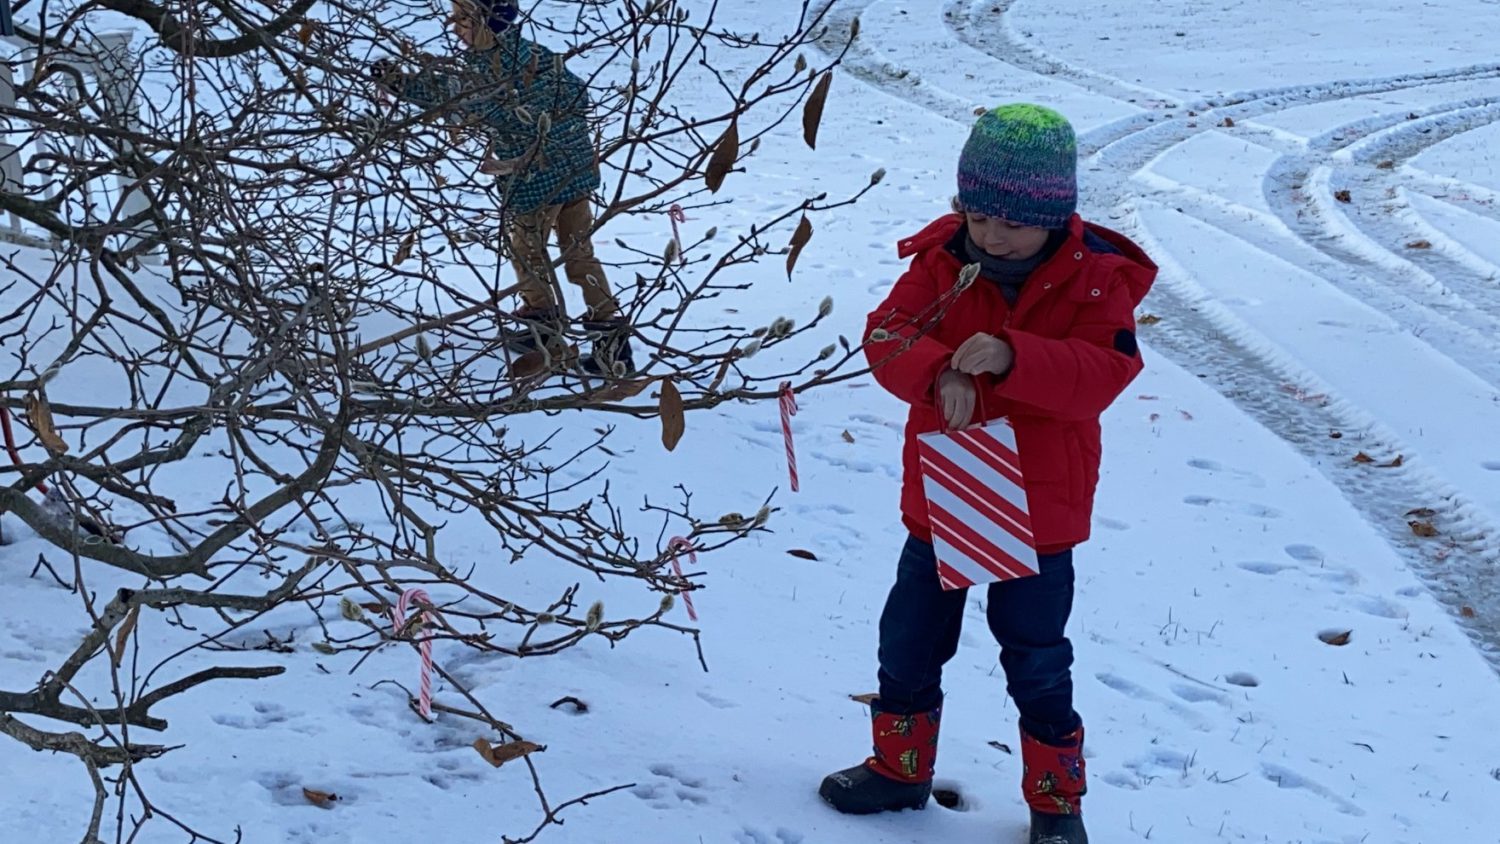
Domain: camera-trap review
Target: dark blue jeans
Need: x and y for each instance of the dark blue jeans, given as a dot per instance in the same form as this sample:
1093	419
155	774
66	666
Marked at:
919	634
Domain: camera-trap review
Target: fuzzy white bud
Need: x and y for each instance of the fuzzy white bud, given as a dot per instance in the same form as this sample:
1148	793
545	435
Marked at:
967	275
350	610
879	335
595	617
827	351
825	307
877	177
667	602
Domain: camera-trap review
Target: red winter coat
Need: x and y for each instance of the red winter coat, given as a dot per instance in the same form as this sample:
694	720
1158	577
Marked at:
1073	333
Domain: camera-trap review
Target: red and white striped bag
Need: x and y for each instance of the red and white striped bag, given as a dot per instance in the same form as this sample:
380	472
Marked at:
976	502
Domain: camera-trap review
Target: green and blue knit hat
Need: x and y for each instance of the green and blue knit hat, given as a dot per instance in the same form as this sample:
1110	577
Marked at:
1021	164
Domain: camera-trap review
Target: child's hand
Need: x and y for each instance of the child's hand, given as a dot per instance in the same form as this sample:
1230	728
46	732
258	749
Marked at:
956	398
984	353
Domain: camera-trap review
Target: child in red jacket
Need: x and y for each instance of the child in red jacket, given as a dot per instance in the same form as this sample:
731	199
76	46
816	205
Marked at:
1045	336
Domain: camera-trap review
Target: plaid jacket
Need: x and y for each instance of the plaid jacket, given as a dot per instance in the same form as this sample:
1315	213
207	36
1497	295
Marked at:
507	89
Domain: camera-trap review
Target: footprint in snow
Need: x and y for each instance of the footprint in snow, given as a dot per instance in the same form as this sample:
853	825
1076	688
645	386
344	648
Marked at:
1305	553
1287	778
1216	468
1491	465
1111	524
264	715
1244	508
1262	567
1379	607
782	835
1198	694
1242	679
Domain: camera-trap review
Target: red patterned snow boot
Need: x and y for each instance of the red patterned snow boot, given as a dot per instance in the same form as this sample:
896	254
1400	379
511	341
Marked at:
1053	782
898	776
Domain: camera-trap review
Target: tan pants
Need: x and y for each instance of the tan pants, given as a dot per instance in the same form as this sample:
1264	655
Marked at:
574	225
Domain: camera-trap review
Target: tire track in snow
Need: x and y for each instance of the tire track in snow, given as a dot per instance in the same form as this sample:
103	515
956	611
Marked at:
1204	337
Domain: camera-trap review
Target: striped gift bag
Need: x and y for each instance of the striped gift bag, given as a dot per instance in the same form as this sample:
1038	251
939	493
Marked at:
976	502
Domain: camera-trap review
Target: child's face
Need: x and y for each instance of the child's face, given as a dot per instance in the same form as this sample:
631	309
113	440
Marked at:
1004	239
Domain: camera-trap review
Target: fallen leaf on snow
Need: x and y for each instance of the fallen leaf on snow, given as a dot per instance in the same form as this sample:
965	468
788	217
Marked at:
1419	244
1467	612
1337	638
1228	123
1000	746
1148	319
1423	529
1396	463
801	554
499	754
1343	196
867	698
1363	458
324	799
1386	165
848	437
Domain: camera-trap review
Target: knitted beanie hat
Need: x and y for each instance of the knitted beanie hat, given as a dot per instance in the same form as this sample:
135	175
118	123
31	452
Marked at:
1021	164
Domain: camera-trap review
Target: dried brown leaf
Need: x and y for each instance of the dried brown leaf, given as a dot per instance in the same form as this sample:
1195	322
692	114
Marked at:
1467	612
672	424
812	111
1396	463
1343	196
1001	746
40	414
123	634
1337	638
800	238
621	390
803	555
726	153
848	437
404	250
1426	530
1363	458
1228	123
1419	244
322	799
305	33
1386	165
1148	319
867	698
499	754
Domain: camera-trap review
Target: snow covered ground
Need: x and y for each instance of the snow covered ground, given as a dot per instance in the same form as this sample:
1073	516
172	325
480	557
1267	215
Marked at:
1296	331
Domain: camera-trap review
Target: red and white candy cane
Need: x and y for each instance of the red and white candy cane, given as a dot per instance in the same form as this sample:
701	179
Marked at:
675	548
788	410
424	644
677	216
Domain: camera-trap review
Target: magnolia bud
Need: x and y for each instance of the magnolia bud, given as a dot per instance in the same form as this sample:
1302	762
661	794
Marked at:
545	618
827	352
350	610
424	350
762	516
711	233
877	177
967	275
596	615
750	350
879	335
825	307
667	602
